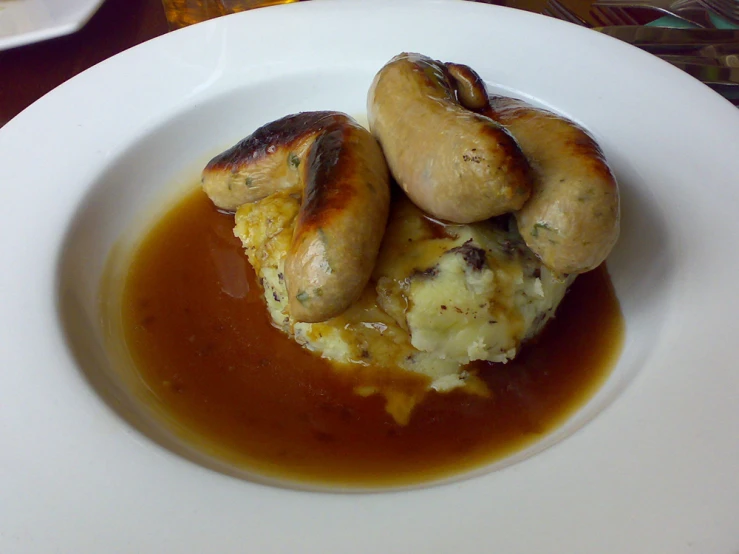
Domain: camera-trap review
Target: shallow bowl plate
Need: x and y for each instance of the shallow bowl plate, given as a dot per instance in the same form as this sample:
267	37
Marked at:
648	465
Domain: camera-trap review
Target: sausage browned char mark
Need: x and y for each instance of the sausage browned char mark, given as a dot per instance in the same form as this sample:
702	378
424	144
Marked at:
572	219
455	164
266	161
340	170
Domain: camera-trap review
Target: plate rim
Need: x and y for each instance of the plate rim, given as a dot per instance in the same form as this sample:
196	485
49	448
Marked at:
220	485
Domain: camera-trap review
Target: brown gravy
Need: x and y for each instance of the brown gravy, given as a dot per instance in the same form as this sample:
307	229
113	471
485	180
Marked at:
197	328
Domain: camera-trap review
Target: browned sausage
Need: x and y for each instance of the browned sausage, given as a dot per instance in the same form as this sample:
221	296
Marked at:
454	164
571	221
340	170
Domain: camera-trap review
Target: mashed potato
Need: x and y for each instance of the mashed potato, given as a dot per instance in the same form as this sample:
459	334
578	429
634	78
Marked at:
440	297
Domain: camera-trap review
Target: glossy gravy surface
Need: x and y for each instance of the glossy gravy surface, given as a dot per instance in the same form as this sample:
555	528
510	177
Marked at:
197	328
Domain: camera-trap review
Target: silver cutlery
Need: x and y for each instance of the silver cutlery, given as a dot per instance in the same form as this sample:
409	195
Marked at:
731	60
707	42
658	40
728	9
710	55
709	74
557	10
625	12
670	36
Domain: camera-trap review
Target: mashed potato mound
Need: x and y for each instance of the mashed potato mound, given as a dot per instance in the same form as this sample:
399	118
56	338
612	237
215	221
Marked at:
441	296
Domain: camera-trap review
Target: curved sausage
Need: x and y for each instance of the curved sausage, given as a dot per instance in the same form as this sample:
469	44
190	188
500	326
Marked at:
454	164
340	170
571	222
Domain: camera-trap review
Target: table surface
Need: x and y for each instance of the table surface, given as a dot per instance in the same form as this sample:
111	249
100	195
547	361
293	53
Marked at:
28	72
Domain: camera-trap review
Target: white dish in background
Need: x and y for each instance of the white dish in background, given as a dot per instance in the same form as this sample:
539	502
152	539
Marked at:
27	21
648	465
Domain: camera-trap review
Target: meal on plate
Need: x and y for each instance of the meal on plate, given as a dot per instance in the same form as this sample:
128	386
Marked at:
502	205
377	306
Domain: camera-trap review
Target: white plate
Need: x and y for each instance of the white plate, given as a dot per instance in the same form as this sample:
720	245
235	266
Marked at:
27	21
648	466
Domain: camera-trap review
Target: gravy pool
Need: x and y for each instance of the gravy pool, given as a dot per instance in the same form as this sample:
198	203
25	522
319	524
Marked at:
198	331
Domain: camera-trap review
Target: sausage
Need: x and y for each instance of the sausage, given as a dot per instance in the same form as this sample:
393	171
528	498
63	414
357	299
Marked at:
339	168
456	165
572	220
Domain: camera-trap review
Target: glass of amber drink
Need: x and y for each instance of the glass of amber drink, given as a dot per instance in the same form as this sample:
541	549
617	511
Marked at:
181	13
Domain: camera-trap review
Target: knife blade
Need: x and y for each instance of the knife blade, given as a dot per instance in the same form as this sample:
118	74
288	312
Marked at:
657	37
731	60
710	74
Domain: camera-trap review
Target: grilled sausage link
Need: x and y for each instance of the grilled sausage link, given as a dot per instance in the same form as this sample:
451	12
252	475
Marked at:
340	169
454	164
572	220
